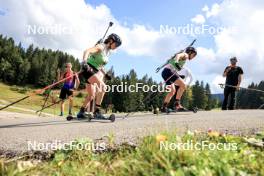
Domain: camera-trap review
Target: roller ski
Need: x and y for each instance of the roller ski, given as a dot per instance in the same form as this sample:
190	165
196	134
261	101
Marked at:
82	115
178	109
194	110
97	115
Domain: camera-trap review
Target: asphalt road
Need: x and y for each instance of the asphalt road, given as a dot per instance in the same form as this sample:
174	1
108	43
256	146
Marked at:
17	130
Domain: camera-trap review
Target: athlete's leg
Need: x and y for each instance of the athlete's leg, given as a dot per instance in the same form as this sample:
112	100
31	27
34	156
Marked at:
90	95
100	94
100	86
169	77
180	91
62	108
100	90
63	95
70	104
169	95
174	96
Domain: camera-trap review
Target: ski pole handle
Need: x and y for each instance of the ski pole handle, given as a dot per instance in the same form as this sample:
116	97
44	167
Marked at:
110	25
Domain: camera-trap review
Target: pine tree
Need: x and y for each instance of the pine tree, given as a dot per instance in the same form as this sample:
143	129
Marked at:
208	97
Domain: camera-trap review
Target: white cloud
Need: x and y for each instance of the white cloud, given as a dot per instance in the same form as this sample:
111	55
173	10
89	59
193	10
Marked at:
215	9
246	41
86	24
198	19
205	8
215	87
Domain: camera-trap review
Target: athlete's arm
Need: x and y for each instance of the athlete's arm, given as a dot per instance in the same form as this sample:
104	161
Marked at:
181	56
89	51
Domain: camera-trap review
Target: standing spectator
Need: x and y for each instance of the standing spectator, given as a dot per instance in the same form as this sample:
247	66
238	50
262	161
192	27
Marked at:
233	74
68	87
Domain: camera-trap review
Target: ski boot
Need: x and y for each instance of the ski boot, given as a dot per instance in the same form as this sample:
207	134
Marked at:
180	108
81	114
99	115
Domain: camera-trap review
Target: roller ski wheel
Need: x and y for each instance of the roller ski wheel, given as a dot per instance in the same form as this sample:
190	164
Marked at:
165	110
89	116
169	110
99	116
182	109
69	117
195	110
112	118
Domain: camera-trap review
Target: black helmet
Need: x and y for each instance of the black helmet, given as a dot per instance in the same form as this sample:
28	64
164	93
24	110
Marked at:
115	38
190	50
233	59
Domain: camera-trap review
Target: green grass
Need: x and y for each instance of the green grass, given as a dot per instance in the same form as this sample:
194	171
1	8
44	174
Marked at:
148	159
13	93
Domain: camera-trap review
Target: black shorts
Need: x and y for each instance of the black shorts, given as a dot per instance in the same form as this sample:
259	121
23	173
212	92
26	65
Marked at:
89	72
65	93
169	76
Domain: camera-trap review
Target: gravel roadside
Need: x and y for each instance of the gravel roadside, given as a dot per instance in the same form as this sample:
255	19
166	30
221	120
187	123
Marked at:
17	130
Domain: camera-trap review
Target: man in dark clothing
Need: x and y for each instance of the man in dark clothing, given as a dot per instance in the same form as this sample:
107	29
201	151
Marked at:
233	74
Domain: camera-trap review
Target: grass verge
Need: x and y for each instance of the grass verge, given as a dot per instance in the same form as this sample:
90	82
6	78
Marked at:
150	158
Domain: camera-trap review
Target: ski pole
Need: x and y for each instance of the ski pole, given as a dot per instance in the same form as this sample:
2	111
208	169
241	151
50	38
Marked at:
46	99
147	97
14	102
160	67
252	89
40	90
45	107
101	40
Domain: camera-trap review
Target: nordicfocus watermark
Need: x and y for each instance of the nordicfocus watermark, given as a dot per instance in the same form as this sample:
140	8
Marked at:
138	87
203	145
193	30
56	29
59	145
